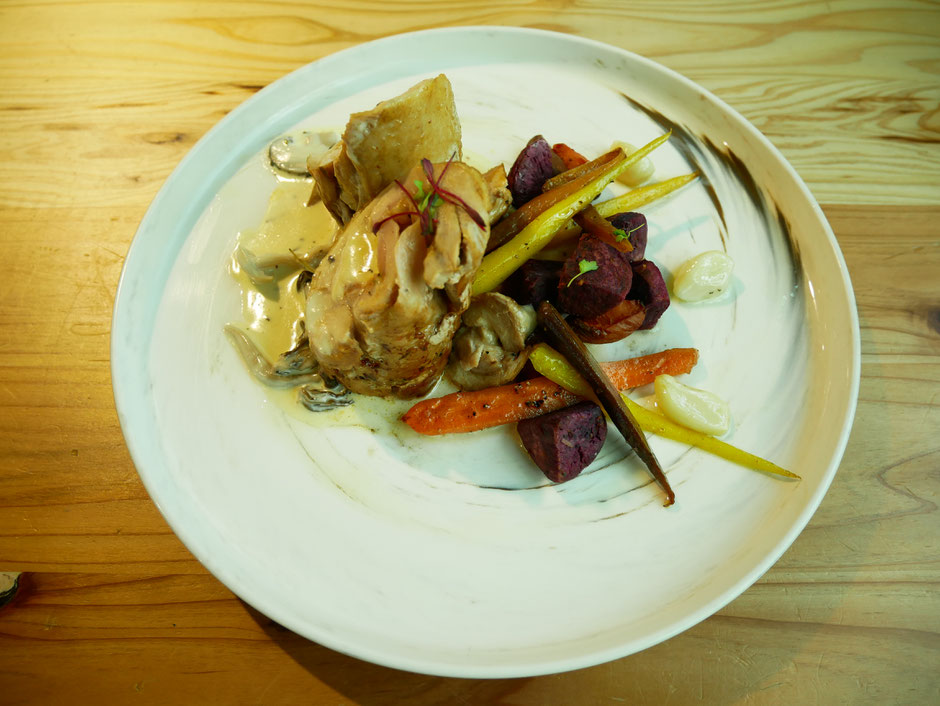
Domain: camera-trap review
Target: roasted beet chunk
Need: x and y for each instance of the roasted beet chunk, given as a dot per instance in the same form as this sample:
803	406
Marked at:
530	170
563	443
634	227
534	282
594	278
649	289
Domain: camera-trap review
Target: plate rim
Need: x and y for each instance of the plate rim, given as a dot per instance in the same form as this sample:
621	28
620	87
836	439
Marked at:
124	395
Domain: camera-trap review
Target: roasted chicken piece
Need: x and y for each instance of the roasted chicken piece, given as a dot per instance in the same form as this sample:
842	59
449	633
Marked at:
500	196
383	144
384	304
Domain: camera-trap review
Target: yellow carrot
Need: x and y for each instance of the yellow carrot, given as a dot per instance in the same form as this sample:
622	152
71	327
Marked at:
556	368
507	258
662	426
473	410
632	200
629	201
553	365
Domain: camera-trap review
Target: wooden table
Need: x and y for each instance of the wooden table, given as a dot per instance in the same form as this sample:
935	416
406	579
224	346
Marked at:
98	103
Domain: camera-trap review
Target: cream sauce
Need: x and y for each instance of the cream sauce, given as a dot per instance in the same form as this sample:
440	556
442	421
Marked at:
272	307
291	233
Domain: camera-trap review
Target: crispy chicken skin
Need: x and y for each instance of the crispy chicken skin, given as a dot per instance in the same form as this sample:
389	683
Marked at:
384	304
383	144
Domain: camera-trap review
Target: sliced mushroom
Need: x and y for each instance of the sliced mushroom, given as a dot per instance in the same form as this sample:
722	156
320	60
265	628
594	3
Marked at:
489	348
328	395
295	367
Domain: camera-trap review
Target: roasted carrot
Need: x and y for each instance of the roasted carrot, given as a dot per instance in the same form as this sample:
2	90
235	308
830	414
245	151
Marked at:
507	258
564	177
511	225
471	411
593	222
586	366
555	367
570	157
663	426
643	195
480	409
633	372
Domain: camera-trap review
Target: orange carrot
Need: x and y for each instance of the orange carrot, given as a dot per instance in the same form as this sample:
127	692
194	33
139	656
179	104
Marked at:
490	407
634	372
570	157
480	409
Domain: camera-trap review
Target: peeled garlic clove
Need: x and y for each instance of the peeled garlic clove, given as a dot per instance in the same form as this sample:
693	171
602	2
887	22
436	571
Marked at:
705	276
693	408
639	172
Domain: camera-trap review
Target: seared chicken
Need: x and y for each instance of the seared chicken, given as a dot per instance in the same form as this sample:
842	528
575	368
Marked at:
382	144
383	305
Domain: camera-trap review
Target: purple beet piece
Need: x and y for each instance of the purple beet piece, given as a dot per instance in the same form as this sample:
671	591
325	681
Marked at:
564	443
536	281
530	170
634	224
597	290
649	288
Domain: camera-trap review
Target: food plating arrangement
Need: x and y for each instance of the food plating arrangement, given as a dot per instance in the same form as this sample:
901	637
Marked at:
405	272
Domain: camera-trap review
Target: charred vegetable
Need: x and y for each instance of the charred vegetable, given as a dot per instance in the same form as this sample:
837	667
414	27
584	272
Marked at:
594	223
624	374
639	172
564	443
613	325
584	363
570	174
515	223
554	367
461	412
506	259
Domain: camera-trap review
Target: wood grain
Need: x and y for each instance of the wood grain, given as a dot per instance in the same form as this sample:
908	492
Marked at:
98	103
849	91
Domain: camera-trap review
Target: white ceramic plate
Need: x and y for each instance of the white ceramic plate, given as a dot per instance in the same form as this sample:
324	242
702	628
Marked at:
453	556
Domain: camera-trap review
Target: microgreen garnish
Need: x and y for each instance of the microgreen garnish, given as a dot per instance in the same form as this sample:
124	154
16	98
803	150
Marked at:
427	203
622	234
584	266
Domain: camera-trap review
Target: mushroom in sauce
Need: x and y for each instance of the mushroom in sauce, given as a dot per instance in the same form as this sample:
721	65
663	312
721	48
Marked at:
490	346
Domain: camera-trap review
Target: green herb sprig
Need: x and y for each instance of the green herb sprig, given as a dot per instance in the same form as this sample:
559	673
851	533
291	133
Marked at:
584	266
620	234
